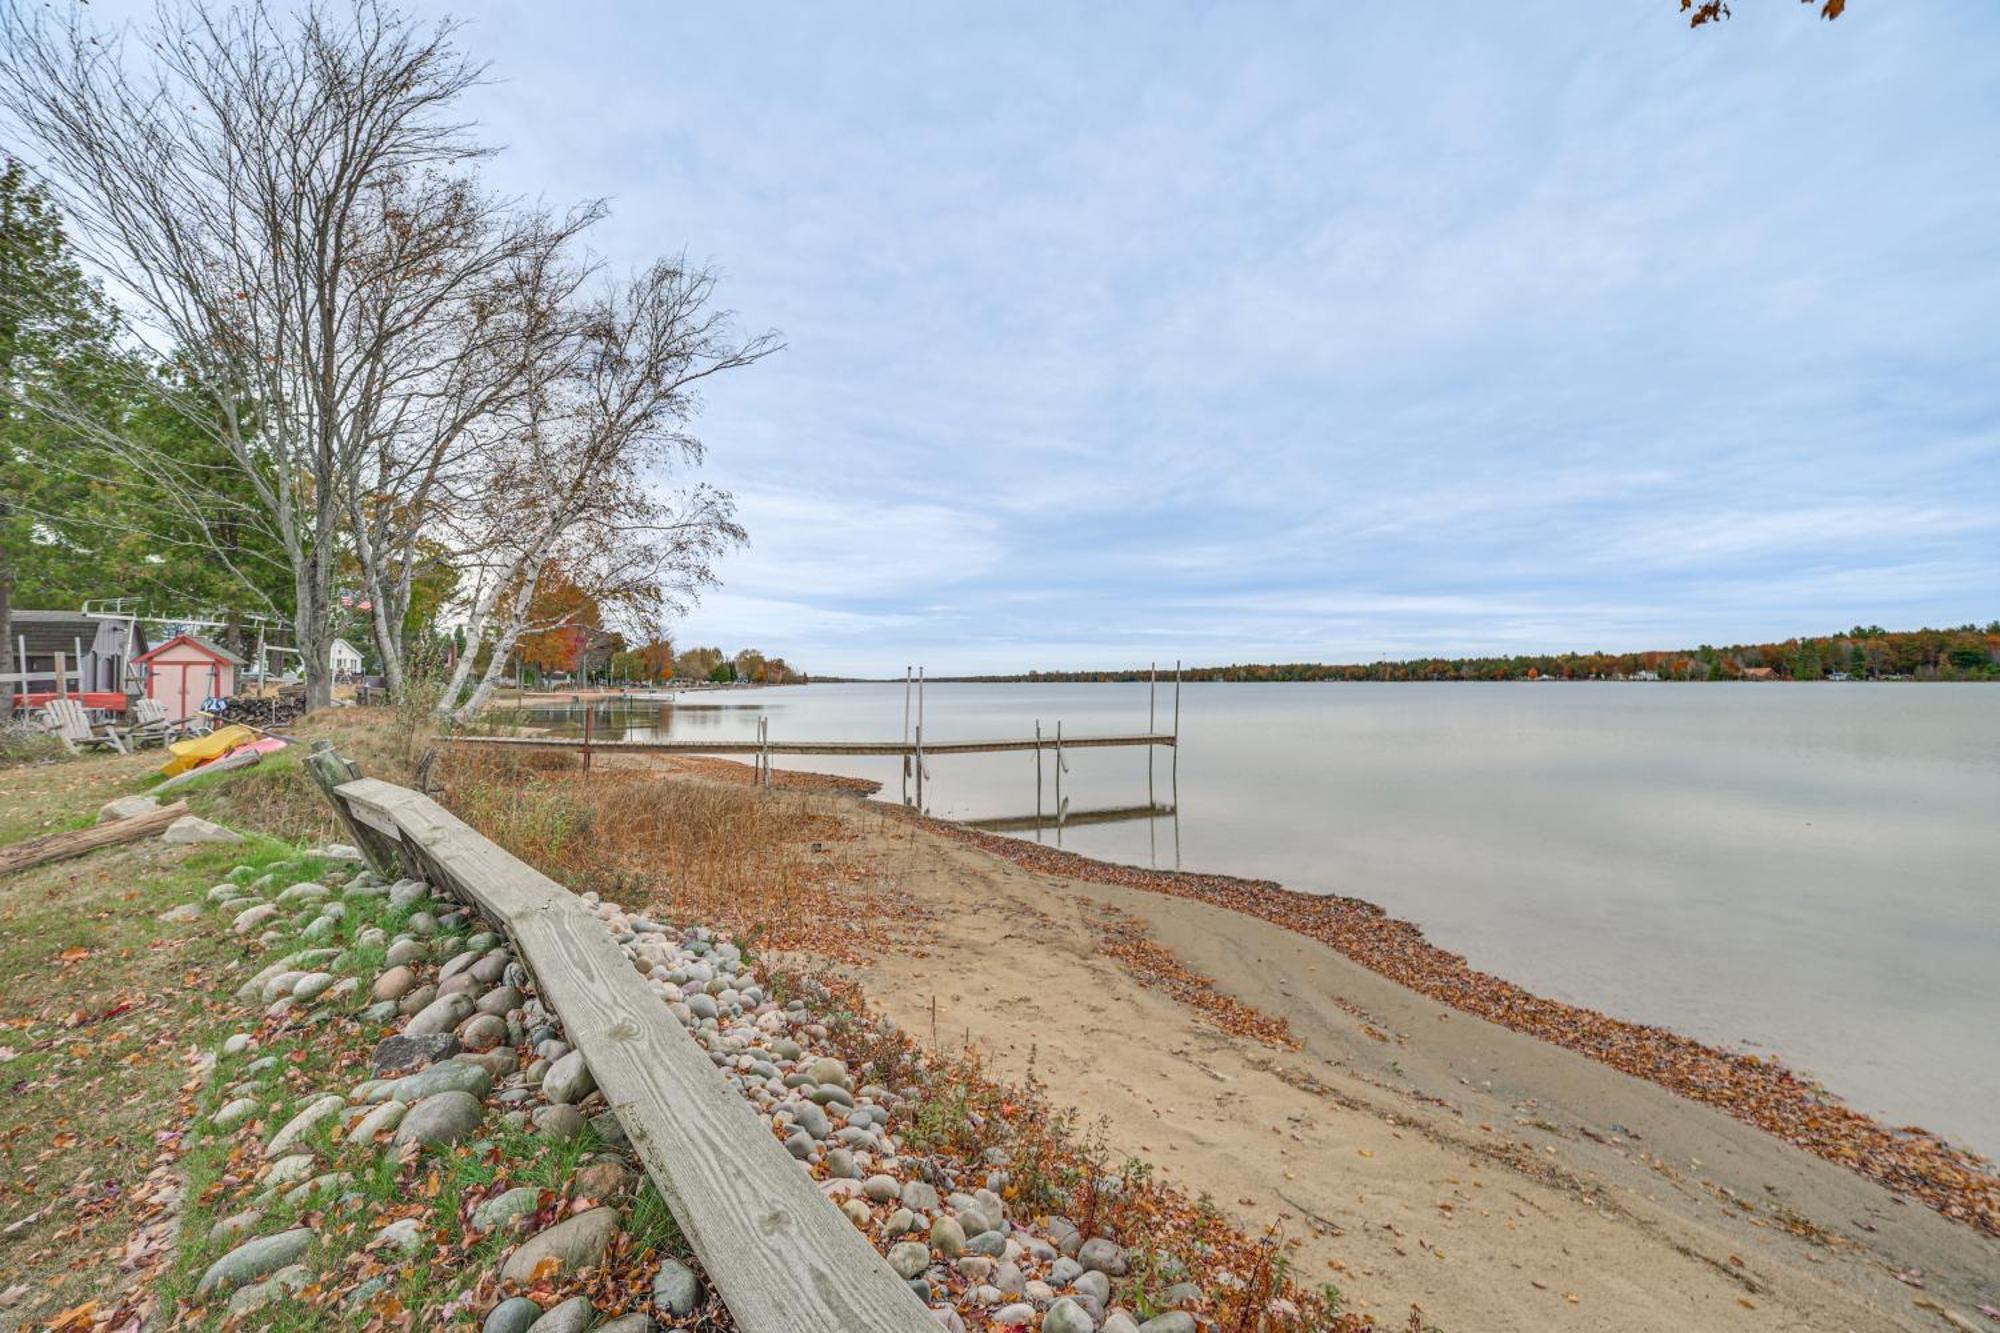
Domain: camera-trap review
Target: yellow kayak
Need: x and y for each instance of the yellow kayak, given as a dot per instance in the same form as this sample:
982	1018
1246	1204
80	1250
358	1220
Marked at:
199	750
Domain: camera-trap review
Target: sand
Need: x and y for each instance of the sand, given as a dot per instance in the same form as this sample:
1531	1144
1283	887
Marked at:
1419	1155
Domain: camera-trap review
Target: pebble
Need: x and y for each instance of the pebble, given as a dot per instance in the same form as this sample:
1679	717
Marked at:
516	1314
394	984
381	1119
676	1287
405	1235
439	1016
502	1209
302	1124
909	1258
403	1053
482	1032
559	1122
1179	1321
568	1079
576	1243
636	1322
446	1117
572	1316
1066	1316
1103	1255
255	1259
445	1076
235	1113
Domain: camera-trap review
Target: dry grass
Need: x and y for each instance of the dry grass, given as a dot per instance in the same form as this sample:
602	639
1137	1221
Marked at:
770	867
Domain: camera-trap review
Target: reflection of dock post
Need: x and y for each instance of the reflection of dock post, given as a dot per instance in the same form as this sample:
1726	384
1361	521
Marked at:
1177	736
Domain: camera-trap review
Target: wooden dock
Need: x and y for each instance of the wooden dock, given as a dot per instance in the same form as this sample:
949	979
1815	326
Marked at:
883	749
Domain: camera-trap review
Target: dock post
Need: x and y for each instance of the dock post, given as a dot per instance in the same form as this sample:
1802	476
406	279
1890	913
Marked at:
588	713
1038	779
1177	733
1152	724
920	767
906	735
1059	773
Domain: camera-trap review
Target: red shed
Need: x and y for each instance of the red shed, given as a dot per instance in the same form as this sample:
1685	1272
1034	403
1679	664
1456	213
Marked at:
184	671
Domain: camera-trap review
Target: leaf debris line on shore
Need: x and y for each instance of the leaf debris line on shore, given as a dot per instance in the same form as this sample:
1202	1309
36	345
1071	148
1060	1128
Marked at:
1760	1091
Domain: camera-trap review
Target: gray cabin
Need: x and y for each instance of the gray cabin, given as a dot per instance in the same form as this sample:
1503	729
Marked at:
107	644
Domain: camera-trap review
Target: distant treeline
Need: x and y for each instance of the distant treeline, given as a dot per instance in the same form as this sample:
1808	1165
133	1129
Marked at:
1866	652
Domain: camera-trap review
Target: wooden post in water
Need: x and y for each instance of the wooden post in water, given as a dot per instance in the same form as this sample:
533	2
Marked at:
587	713
1059	773
920	740
1038	779
1152	727
1177	734
906	734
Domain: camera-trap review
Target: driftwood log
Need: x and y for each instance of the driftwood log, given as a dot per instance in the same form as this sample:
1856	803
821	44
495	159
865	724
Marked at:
78	842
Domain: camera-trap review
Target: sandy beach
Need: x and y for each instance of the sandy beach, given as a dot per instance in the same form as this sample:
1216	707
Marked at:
1417	1154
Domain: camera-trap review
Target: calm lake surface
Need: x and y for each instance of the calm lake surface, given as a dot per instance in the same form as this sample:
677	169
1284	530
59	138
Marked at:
1806	870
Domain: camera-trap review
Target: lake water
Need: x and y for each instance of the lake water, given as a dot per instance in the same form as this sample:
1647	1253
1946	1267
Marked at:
1806	870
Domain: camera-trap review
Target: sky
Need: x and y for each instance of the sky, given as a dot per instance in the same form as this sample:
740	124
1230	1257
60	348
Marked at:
1336	332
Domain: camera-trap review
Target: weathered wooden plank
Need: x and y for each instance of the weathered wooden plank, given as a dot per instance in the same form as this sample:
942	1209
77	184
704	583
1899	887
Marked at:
890	749
78	842
780	1255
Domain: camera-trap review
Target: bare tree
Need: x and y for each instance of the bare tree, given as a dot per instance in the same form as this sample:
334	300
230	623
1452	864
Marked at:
581	484
283	205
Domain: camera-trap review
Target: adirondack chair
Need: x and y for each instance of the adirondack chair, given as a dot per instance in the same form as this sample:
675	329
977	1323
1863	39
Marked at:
150	725
66	718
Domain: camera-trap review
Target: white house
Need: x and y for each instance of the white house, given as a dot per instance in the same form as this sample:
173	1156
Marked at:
345	658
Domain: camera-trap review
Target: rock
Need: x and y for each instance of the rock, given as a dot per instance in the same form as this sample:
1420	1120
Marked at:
604	1178
812	1119
445	1117
636	1322
499	1063
572	1316
909	1258
840	1165
318	1111
882	1189
394	984
676	1288
948	1237
405	1236
1018	1315
287	1280
1066	1316
990	1243
445	1076
305	891
254	1259
499	1001
920	1196
337	851
288	1170
502	1209
182	915
568	1079
1178	1321
250	918
125	807
560	1122
1120	1322
191	829
404	952
235	1113
229	1228
380	1120
577	1243
312	985
828	1070
611	1130
516	1314
439	1016
403	1054
482	1032
1102	1255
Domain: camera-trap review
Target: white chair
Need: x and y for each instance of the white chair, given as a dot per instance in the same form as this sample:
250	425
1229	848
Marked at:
66	718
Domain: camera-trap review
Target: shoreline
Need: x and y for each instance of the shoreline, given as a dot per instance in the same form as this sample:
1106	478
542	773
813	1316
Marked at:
1760	1091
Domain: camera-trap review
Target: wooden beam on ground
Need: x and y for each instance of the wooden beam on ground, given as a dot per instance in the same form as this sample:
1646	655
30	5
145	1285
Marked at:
80	842
783	1258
